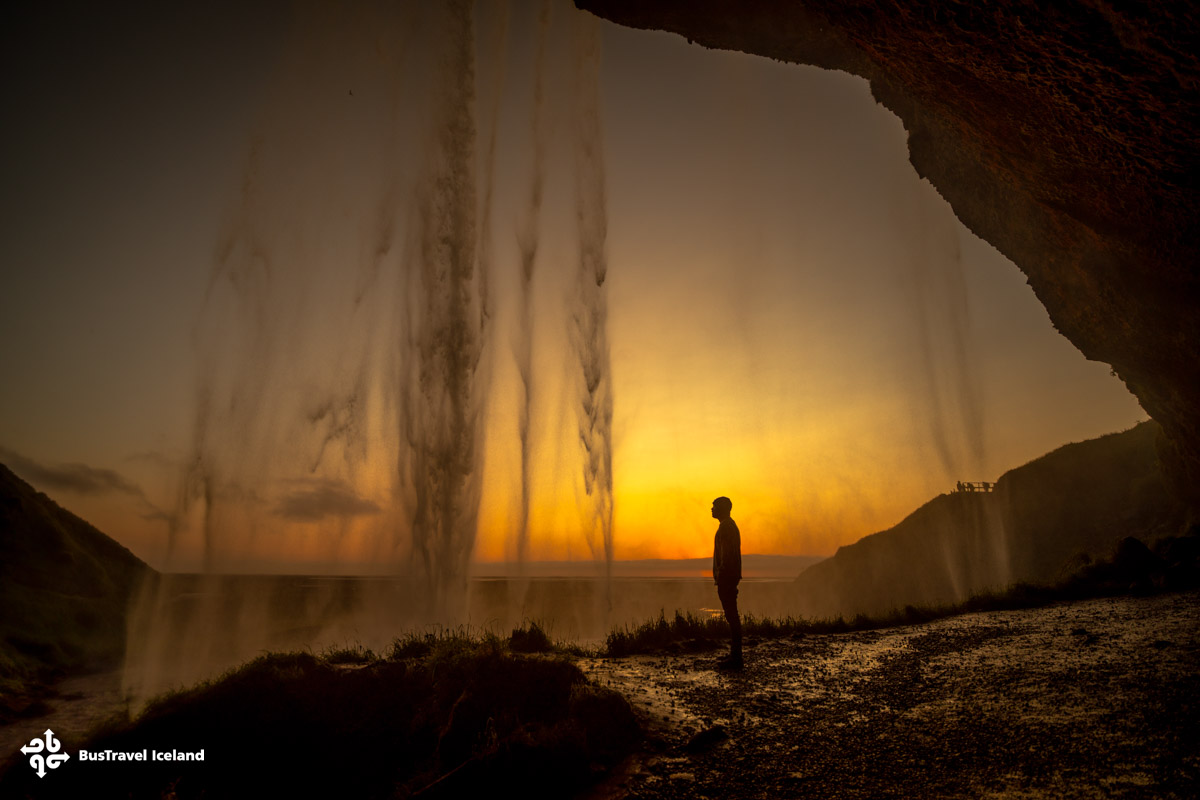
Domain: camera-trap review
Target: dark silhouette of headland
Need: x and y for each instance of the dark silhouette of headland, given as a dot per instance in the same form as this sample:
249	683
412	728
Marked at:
64	591
1041	522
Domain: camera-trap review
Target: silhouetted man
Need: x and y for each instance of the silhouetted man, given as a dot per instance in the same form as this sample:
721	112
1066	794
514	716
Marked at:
727	571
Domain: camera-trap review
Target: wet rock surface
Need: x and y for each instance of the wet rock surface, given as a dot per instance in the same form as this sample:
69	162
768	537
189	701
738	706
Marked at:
71	709
1090	699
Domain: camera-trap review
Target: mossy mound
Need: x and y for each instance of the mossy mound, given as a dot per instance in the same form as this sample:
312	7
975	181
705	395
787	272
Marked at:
454	719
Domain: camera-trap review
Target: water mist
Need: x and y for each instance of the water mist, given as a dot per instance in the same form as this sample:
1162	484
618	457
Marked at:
527	246
440	378
345	346
591	320
933	280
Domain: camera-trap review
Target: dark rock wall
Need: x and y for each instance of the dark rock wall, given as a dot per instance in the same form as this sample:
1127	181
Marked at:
1065	134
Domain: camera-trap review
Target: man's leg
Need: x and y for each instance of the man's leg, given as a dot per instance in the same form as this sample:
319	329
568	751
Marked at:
728	595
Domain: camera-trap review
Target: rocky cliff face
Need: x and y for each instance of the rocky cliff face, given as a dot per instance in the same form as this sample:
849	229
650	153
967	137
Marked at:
64	589
1064	134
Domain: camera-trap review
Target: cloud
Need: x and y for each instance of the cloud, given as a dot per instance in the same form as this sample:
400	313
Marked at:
321	499
82	479
79	478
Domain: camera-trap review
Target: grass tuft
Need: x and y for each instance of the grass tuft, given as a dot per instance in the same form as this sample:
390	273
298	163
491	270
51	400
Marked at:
530	639
350	654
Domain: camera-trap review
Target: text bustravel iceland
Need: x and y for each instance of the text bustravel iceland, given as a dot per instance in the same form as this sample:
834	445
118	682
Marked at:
141	755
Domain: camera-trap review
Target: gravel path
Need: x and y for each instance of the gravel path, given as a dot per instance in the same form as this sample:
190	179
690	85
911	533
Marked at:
1091	699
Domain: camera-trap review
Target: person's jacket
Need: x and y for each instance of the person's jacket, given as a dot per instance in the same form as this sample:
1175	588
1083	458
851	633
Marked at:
727	554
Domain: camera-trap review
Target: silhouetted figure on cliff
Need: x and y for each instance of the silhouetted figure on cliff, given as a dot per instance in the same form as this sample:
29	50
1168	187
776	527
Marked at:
727	571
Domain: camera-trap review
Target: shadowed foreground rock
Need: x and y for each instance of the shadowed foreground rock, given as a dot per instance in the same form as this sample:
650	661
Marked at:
437	718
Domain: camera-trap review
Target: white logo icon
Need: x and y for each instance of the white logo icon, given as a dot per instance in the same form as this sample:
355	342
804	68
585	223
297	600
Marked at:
52	760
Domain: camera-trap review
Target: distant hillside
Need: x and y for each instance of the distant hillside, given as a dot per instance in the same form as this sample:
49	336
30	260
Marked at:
64	586
1079	499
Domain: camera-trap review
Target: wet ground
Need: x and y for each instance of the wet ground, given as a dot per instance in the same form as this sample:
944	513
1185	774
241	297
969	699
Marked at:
76	706
1091	699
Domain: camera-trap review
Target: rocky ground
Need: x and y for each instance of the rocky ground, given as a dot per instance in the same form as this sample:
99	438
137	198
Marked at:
1091	699
73	708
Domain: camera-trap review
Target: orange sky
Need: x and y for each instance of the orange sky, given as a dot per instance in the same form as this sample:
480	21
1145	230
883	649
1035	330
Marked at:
795	319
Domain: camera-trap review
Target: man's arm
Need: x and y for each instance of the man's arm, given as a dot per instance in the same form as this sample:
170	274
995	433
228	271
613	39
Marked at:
735	554
717	564
727	556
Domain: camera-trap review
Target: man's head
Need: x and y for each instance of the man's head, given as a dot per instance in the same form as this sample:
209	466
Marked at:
721	508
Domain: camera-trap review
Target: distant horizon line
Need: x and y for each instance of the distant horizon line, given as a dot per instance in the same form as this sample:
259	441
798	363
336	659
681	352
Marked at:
754	565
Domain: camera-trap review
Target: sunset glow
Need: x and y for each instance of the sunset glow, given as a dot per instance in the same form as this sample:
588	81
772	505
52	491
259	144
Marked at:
794	318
